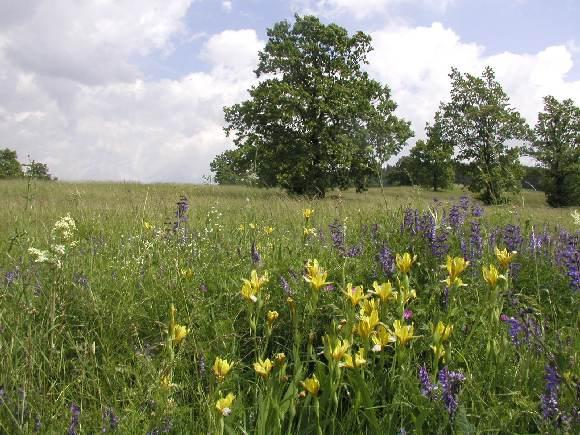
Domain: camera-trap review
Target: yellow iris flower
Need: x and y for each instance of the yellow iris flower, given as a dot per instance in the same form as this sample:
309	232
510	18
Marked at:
405	262
315	275
340	349
272	316
384	291
381	339
221	368
358	361
504	257
455	267
368	306
224	404
252	286
438	350
308	213
491	275
367	324
441	332
263	367
355	294
179	333
312	385
404	333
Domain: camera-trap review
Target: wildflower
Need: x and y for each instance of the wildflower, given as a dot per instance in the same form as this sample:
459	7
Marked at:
268	230
254	254
455	267
41	256
337	235
450	384
576	217
359	360
251	287
367	324
407	314
308	231
252	226
381	339
224	404
368	306
387	260
491	275
441	332
512	237
315	275
405	293
339	349
186	272
280	357
312	385
148	226
354	294
549	400
438	350
307	213
428	389
74	419
504	257
263	367
221	368
384	291
403	333
179	333
285	286
271	317
405	262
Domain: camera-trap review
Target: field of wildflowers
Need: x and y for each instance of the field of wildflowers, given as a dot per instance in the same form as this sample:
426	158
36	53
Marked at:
176	309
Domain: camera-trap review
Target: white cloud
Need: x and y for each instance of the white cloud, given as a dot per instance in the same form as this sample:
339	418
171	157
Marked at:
227	5
362	8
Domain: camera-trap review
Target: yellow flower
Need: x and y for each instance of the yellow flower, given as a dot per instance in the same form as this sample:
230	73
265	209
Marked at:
252	226
272	316
268	230
280	358
404	333
441	332
455	267
179	333
186	272
368	306
166	382
491	275
148	226
309	232
407	294
405	262
355	294
224	404
312	385
438	350
340	349
263	367
381	339
367	324
315	275
358	360
307	213
221	368
241	227
248	292
504	257
384	291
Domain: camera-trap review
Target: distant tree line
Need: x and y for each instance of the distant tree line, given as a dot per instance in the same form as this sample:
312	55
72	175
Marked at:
10	167
316	121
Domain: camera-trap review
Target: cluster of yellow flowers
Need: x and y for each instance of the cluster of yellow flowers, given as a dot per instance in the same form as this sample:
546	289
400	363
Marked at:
315	275
251	287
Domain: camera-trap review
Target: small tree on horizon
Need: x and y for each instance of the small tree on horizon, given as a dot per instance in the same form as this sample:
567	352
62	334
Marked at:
10	167
556	147
480	122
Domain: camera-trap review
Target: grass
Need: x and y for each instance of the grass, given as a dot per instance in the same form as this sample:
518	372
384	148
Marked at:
91	345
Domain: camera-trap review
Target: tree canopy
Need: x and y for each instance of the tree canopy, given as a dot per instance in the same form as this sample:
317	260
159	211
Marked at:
9	165
556	146
481	124
315	120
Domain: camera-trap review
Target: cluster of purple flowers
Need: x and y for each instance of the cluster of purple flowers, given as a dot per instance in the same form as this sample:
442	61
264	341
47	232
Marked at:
110	419
337	236
74	425
524	329
568	257
447	389
549	400
512	237
387	260
11	276
539	242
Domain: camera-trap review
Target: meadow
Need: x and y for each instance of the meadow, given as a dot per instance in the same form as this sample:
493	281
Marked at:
166	308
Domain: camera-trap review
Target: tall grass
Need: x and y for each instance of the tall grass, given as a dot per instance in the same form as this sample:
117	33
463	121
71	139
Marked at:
90	342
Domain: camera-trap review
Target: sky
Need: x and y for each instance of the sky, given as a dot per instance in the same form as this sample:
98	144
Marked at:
134	90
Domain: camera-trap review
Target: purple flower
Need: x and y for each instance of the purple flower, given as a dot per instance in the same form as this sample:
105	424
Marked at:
110	419
549	400
512	237
450	385
337	236
354	251
568	257
11	276
203	287
374	232
407	314
387	260
329	288
475	242
464	203
410	220
285	286
439	246
255	255
74	419
476	211
523	329
455	217
427	388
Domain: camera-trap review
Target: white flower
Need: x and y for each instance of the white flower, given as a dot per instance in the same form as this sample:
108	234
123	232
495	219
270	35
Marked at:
41	256
58	249
576	216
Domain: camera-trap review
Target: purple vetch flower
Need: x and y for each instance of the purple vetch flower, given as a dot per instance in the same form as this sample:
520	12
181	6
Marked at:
475	241
493	238
410	220
374	232
464	203
512	237
549	400
285	286
524	329
387	260
110	419
439	246
74	425
337	236
329	288
476	210
428	389
568	257
450	385
81	280
354	251
11	276
455	217
407	314
254	254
